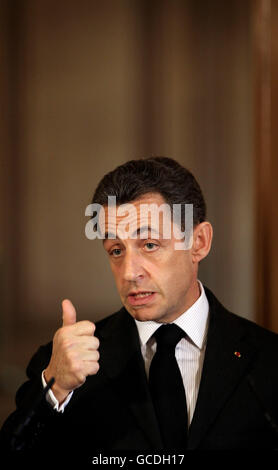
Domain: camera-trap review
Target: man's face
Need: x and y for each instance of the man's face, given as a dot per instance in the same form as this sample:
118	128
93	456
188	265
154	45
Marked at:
155	281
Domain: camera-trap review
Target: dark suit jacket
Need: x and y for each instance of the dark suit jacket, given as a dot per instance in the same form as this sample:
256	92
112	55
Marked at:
113	410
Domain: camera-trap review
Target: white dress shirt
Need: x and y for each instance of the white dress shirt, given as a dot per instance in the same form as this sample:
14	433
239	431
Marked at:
52	400
190	351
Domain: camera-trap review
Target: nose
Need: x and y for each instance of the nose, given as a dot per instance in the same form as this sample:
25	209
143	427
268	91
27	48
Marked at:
132	267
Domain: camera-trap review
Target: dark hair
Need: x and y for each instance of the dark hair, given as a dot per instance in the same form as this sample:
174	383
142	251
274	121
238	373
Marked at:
162	175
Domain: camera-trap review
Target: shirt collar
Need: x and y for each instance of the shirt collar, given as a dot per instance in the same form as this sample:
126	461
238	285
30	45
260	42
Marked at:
193	322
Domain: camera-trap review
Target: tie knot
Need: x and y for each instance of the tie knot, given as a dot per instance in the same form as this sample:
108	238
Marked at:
167	336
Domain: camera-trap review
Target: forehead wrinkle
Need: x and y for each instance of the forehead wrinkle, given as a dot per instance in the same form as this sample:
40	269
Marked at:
147	228
130	219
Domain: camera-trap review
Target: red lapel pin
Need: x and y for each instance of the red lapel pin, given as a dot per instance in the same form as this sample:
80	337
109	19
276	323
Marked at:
237	354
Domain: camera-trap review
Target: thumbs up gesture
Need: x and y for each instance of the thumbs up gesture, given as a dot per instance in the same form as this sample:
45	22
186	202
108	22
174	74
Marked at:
74	354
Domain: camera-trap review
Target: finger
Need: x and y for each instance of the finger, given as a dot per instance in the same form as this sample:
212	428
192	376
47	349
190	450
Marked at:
91	367
92	356
69	313
86	343
84	327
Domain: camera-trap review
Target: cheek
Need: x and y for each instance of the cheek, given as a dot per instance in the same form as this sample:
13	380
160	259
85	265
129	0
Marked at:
115	272
179	270
118	277
183	261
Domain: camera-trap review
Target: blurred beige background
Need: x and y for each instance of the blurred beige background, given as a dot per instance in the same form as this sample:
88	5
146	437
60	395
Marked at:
84	87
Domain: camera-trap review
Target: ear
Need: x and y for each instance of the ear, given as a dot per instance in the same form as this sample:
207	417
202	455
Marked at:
202	238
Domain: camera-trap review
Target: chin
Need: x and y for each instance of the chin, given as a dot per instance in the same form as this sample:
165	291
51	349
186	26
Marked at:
143	314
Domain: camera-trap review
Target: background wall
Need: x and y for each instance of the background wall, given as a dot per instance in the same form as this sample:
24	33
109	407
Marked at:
86	86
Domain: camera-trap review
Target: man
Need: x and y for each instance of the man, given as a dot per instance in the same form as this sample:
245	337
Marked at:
173	369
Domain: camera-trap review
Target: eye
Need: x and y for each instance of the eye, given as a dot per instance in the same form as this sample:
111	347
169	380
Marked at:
150	246
116	252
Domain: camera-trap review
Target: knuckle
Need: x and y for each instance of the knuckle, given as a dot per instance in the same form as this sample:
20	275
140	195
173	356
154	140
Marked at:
94	368
76	367
91	327
72	358
97	355
86	326
90	324
81	378
73	362
66	342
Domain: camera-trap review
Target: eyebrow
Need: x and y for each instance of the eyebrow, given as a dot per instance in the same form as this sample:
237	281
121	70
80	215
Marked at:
147	228
109	235
144	228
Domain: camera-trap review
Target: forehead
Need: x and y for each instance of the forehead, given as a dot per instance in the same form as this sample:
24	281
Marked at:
148	211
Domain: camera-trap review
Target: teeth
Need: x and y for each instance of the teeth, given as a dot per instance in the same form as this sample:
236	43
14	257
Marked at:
145	294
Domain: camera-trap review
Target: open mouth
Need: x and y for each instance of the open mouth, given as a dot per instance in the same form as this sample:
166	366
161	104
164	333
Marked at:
141	298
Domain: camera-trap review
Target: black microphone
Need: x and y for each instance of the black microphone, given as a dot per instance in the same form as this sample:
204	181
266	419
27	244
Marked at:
268	417
17	441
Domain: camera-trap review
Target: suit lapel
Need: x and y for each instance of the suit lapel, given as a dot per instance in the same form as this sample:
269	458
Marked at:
122	362
222	369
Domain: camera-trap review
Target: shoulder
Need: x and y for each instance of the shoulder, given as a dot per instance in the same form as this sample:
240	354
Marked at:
262	337
110	319
120	320
234	323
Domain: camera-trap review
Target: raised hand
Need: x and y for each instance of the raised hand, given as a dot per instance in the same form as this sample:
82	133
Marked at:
74	355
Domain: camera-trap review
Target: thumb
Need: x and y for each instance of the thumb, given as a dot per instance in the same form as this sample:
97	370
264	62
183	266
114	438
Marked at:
69	313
